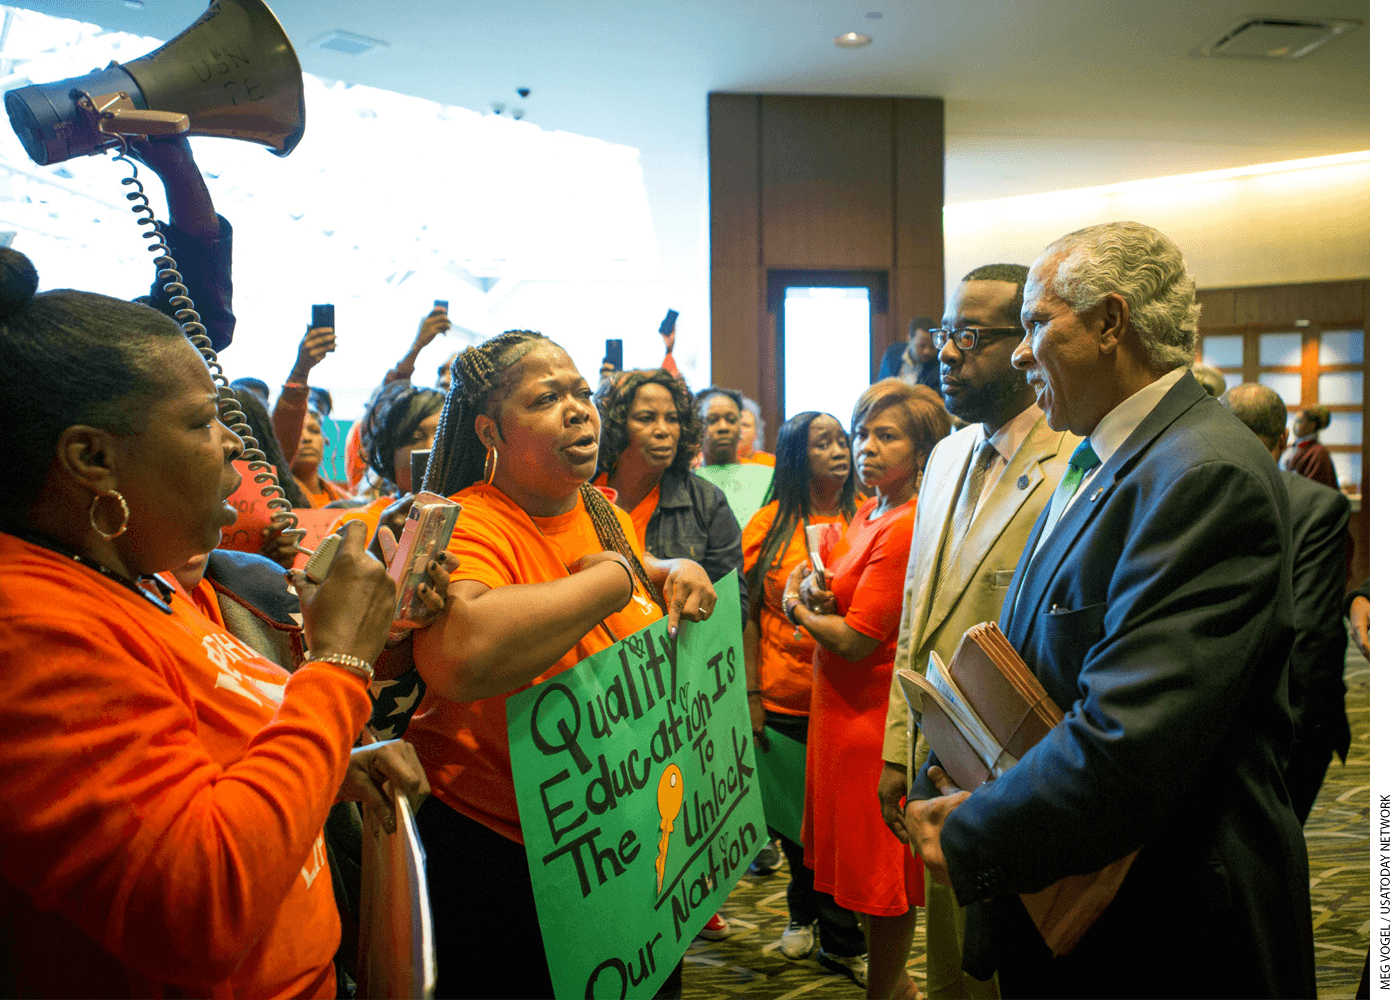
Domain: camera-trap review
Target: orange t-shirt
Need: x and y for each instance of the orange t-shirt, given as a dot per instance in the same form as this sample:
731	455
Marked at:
162	829
464	746
760	458
325	492
785	663
640	514
369	514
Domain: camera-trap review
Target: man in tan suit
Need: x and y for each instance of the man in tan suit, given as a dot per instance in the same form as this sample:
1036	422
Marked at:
983	489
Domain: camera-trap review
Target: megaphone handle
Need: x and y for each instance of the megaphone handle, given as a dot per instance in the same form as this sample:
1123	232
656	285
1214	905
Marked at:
116	114
264	473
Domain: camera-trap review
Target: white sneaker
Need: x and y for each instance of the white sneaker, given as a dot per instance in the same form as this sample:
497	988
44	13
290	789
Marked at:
798	940
852	965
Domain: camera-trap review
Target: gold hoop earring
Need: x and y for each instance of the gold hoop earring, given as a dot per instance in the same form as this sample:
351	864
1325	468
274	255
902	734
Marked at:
92	515
488	468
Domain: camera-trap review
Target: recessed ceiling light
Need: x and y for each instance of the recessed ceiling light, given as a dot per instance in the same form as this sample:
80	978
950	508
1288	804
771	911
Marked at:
347	43
874	15
852	40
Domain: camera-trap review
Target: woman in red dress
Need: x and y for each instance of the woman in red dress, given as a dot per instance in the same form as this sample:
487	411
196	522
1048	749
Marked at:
855	624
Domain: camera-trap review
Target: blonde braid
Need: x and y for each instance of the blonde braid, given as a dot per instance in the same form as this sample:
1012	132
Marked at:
610	533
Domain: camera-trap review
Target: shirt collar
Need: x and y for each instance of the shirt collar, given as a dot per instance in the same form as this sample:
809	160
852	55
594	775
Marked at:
1009	436
1123	419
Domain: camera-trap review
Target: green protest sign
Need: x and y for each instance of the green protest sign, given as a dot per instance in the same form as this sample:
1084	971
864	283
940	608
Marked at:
635	778
782	778
744	486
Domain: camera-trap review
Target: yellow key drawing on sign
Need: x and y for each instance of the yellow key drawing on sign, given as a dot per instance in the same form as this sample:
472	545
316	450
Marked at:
669	793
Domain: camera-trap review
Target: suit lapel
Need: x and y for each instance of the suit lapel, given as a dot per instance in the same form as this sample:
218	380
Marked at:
1001	506
1039	570
949	466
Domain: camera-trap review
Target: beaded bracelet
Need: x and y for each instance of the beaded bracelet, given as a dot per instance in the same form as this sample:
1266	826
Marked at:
352	663
789	602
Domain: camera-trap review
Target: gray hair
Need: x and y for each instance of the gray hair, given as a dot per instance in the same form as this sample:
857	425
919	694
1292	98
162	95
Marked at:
752	407
1147	270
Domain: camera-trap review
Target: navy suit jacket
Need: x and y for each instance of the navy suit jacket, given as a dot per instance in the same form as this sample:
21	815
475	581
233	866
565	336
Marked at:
1316	691
1159	617
894	356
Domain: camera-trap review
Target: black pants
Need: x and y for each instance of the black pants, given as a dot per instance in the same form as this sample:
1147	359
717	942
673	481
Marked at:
839	927
1307	769
485	927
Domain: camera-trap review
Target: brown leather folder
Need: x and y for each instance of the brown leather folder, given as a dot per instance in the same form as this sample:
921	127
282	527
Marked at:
1016	712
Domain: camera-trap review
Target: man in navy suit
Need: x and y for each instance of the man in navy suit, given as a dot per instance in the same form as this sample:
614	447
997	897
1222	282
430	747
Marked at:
915	362
1316	690
1153	602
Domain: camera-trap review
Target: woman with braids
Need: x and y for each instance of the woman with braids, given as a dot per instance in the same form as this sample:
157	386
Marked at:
550	574
813	483
854	618
165	786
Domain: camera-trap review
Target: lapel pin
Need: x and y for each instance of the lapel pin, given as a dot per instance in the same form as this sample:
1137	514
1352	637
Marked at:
1023	482
1097	493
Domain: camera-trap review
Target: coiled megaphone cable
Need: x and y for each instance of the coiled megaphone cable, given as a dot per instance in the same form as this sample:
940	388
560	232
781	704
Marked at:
264	473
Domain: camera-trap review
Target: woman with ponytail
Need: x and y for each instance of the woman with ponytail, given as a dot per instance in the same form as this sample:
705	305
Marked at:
550	574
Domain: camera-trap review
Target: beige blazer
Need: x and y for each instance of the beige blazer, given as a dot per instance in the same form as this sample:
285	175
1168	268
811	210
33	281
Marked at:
937	612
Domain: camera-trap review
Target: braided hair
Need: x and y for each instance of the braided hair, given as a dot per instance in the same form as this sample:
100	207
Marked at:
481	378
791	486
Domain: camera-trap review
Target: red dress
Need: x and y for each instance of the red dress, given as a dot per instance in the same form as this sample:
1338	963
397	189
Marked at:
855	857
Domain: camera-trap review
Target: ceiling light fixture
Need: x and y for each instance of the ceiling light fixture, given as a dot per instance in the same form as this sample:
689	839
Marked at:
1020	202
347	43
852	40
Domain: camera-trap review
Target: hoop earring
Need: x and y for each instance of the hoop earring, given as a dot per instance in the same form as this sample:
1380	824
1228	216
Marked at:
92	515
488	467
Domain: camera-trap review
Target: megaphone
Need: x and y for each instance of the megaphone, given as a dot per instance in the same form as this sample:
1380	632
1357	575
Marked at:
232	73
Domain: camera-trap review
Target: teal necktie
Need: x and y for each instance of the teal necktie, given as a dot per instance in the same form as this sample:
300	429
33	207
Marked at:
1080	463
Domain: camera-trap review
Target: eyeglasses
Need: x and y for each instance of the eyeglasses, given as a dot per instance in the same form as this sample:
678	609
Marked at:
967	338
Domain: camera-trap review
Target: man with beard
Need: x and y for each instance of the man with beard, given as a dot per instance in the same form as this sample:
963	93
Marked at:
1154	603
983	489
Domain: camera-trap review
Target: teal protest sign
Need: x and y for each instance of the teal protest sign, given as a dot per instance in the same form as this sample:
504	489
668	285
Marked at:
782	777
636	782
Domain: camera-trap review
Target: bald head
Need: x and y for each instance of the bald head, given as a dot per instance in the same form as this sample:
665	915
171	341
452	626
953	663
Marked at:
1262	411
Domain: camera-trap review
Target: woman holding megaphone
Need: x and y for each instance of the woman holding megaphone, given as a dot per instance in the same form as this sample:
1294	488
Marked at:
165	786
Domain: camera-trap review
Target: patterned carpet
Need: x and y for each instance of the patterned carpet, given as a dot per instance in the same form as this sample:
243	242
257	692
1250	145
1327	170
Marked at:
749	965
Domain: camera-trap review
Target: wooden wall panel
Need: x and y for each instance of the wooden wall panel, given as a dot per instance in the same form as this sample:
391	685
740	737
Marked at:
827	181
812	183
738	315
734	179
918	183
914	291
1279	305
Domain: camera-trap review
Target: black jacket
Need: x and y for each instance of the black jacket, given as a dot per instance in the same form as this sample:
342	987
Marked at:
693	521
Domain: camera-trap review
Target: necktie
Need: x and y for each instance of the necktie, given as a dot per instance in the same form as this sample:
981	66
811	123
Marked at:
967	505
1080	462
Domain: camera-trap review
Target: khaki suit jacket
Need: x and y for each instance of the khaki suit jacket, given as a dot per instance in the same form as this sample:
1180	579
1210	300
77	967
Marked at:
938	612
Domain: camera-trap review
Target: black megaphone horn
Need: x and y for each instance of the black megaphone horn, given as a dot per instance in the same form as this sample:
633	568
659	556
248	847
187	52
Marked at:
232	74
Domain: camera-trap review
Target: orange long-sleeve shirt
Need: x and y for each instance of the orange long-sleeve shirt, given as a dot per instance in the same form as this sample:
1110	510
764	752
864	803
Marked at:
162	825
